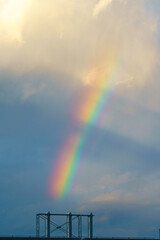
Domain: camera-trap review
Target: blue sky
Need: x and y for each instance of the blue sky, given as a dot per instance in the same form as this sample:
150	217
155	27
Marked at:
47	59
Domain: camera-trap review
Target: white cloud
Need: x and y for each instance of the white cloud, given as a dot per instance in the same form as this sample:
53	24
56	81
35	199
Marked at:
12	13
41	36
100	6
135	189
69	40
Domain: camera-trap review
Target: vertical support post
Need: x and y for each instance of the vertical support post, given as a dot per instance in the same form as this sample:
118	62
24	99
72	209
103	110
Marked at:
47	225
37	226
90	225
79	226
67	226
70	224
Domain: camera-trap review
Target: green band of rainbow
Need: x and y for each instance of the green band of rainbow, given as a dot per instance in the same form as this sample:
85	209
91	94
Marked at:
89	112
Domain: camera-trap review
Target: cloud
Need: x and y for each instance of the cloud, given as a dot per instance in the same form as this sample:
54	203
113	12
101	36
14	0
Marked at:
11	19
136	118
125	172
132	189
100	6
31	90
48	50
111	180
43	36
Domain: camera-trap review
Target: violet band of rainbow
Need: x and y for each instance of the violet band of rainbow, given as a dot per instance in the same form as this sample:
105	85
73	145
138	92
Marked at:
72	152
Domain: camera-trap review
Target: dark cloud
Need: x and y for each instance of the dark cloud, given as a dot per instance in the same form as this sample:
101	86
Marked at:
125	219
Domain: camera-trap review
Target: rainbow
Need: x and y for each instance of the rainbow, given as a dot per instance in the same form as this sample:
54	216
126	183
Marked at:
89	112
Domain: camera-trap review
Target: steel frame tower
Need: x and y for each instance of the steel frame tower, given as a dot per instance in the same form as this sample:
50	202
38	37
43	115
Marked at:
70	217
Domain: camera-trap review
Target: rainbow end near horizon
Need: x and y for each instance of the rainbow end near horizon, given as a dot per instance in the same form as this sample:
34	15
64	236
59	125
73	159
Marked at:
63	167
74	148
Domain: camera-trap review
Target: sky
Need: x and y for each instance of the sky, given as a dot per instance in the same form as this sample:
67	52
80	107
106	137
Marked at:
80	114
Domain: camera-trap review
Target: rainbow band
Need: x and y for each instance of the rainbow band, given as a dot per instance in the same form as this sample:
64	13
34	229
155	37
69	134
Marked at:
73	150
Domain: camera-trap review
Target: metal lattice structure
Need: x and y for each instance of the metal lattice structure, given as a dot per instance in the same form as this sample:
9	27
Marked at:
47	218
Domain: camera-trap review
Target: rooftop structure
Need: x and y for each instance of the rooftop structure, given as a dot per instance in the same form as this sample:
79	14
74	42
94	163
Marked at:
70	217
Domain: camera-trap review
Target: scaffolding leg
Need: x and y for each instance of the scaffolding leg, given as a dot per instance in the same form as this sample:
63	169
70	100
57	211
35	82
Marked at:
47	225
79	226
69	225
90	226
37	226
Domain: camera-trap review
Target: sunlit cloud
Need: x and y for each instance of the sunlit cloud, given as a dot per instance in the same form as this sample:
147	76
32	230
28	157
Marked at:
41	36
71	41
100	6
12	14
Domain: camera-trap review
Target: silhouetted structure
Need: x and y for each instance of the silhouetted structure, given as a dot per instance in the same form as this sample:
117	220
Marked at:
47	217
70	217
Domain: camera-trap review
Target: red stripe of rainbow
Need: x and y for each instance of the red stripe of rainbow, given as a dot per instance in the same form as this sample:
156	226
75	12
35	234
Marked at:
89	112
